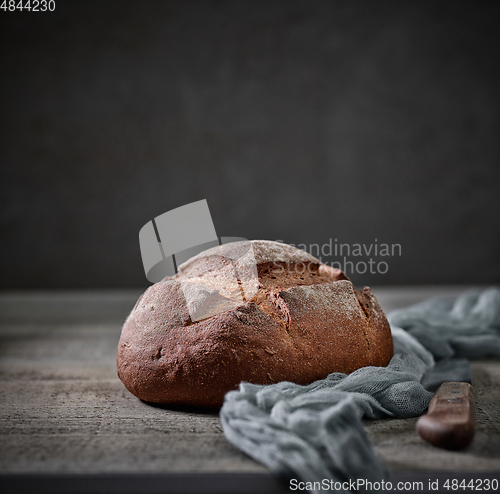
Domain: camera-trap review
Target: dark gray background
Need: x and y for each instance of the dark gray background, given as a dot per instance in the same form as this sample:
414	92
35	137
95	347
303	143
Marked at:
296	120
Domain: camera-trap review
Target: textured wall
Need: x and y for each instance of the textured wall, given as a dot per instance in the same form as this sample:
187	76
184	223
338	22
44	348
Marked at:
296	120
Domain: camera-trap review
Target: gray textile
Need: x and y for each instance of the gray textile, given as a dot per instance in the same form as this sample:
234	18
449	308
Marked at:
316	432
465	326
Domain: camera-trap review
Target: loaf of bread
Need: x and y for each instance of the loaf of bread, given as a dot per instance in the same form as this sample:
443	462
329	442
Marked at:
294	319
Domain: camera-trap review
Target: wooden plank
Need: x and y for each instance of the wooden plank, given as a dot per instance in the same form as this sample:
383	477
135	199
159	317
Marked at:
63	409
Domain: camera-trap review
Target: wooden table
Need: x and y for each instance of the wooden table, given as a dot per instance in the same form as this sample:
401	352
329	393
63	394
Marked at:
67	423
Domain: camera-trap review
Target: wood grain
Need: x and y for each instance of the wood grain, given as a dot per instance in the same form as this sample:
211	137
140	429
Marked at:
450	421
63	409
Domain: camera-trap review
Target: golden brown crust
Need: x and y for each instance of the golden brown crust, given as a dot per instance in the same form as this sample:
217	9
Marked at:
300	326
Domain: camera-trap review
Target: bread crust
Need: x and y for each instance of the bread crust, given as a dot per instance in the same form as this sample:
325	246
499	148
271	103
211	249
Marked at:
300	326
